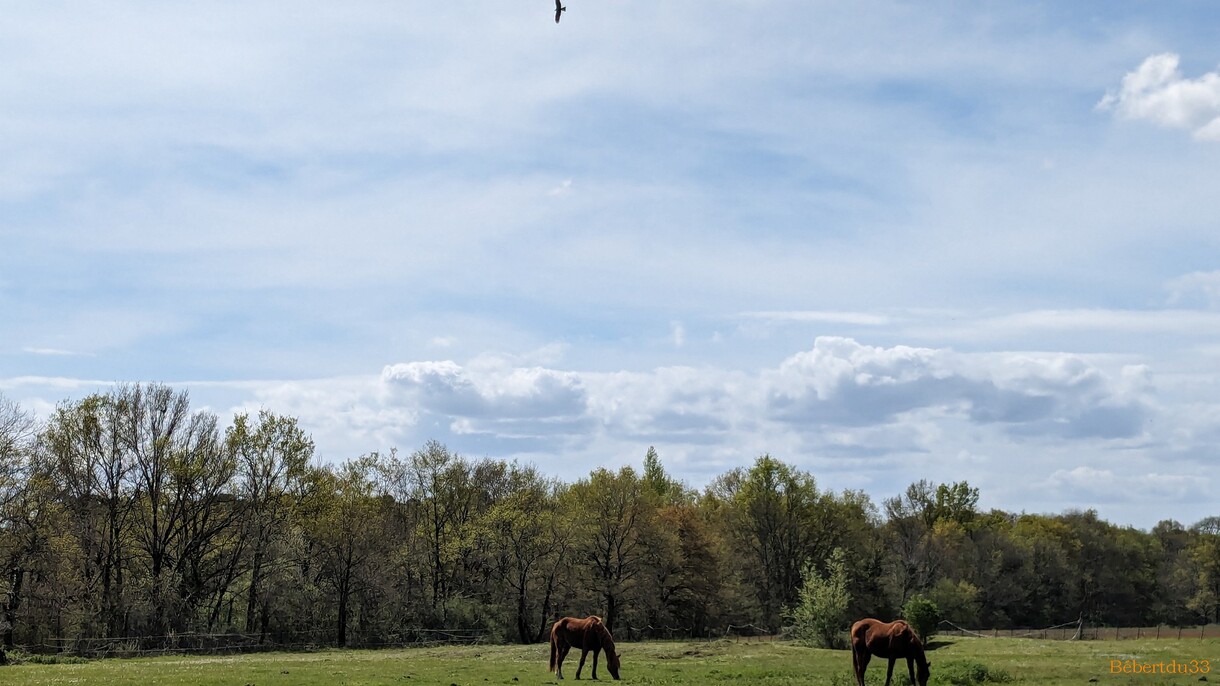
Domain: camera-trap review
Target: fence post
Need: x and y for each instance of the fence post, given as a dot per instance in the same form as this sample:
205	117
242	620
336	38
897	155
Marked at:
1179	632
1137	632
1201	630
1158	630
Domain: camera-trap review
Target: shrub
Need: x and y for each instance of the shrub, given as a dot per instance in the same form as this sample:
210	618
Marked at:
820	615
923	616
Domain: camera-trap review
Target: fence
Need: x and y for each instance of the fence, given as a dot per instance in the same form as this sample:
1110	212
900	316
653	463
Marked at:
738	632
1068	631
200	643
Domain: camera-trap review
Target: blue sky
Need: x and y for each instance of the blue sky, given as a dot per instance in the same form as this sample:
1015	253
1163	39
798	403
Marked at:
883	241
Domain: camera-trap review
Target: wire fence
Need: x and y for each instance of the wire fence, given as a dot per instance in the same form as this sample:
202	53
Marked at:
229	643
1075	630
191	643
737	632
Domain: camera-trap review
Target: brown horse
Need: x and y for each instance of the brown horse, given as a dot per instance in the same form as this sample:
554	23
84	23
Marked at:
894	640
587	634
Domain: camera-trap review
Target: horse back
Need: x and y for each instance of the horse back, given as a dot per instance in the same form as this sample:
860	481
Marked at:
586	634
892	639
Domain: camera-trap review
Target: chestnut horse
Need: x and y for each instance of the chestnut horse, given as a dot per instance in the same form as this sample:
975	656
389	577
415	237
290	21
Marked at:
894	640
587	634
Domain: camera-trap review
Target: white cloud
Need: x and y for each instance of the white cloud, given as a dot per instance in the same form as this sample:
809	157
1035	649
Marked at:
861	318
843	383
1203	286
490	397
563	188
55	352
677	334
1157	91
1090	484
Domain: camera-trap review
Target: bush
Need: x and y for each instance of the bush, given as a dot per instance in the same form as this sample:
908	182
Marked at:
820	615
923	616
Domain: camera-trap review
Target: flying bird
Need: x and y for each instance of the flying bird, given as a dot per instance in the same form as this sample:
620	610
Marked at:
559	9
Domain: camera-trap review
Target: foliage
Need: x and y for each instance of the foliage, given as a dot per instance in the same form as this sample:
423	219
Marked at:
957	602
820	614
923	616
968	673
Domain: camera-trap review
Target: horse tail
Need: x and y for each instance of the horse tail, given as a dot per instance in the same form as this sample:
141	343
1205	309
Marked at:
554	648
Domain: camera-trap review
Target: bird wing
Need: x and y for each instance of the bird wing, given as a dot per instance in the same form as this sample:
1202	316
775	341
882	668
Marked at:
558	7
557	13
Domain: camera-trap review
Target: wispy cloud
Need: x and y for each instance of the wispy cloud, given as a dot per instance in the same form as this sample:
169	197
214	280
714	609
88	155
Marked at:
1195	286
56	352
861	318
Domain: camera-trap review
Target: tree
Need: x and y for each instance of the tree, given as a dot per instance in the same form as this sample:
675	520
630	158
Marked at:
820	614
659	484
529	536
85	449
346	532
923	616
273	455
614	521
774	513
20	536
18	431
182	473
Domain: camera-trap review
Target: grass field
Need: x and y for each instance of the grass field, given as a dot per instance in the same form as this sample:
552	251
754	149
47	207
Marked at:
954	660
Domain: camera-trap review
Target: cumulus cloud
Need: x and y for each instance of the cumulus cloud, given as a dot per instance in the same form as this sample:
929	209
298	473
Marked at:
1157	91
849	397
843	383
491	397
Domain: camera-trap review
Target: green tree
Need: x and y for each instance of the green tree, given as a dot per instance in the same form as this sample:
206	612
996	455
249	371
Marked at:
923	616
346	531
774	513
84	446
659	484
273	455
820	613
529	537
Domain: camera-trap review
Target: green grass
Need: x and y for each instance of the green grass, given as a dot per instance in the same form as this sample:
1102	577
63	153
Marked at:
954	661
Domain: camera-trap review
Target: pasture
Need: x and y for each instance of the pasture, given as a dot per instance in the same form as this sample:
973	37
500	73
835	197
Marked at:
658	663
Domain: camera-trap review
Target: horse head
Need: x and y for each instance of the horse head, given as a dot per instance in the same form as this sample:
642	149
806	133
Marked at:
921	672
612	663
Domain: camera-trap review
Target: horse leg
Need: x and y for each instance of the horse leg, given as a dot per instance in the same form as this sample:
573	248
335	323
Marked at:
889	673
911	669
563	652
583	654
596	652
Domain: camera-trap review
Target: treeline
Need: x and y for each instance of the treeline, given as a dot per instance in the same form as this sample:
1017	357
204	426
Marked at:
128	514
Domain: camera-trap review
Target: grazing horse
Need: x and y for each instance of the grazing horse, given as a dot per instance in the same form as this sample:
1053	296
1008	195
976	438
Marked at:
587	634
894	640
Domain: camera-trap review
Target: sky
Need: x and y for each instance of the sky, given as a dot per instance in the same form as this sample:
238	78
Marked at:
880	241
